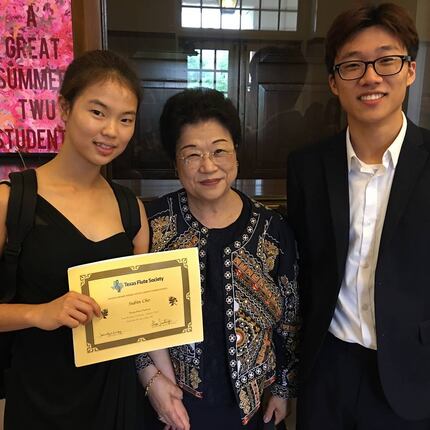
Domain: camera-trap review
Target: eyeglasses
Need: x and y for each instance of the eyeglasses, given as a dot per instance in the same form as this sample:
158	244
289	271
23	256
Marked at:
383	66
194	158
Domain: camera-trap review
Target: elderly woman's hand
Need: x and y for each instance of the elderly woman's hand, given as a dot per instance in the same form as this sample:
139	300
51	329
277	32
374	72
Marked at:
180	409
166	399
279	406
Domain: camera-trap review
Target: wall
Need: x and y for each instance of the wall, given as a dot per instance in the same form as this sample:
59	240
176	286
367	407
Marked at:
423	20
156	16
160	16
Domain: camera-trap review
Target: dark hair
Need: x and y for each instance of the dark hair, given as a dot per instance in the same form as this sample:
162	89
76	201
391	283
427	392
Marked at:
193	106
96	66
393	18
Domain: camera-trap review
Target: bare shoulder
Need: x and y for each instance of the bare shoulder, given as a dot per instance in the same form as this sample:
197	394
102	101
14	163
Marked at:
141	209
141	240
4	198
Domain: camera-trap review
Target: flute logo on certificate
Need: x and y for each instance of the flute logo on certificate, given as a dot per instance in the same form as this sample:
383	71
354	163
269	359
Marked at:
148	302
117	286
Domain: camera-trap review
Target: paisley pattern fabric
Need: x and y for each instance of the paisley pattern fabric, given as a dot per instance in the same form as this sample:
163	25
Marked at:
261	307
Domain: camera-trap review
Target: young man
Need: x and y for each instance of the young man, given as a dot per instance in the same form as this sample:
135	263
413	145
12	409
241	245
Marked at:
360	206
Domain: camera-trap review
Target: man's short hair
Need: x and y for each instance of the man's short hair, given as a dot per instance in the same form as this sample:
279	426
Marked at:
391	17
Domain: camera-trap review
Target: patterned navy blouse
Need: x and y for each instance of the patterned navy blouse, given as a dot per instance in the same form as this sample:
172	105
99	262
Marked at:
260	306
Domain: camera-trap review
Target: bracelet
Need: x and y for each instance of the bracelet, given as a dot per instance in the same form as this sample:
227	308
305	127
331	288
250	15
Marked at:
151	381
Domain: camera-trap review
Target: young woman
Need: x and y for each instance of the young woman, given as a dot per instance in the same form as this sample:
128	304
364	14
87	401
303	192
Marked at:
78	220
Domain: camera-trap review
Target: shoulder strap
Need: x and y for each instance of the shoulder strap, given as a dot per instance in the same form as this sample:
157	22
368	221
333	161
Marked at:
129	209
19	222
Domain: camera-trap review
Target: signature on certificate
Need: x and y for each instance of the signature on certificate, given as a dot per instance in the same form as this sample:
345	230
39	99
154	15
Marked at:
162	322
111	333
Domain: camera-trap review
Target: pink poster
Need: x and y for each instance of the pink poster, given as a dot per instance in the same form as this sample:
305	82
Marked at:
36	45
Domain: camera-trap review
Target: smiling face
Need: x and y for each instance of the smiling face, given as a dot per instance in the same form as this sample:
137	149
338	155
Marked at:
100	123
208	181
373	99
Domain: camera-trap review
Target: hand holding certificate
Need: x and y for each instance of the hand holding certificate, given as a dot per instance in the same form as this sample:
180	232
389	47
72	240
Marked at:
148	302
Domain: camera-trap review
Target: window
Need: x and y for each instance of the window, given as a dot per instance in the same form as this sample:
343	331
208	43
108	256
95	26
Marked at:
269	15
208	68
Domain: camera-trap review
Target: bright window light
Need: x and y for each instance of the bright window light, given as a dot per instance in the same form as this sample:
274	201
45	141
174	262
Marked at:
266	15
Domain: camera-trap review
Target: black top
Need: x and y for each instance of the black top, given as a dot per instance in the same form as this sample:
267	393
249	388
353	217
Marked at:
217	385
44	389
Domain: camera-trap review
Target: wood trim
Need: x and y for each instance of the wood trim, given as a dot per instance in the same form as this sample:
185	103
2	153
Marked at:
87	25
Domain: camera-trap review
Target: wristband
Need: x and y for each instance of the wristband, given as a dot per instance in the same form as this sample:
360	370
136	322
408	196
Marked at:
151	381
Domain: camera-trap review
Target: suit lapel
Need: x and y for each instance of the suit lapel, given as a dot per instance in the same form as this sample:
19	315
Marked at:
336	168
412	160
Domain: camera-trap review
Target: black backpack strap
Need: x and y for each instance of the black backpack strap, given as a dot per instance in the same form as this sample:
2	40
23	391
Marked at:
19	222
129	209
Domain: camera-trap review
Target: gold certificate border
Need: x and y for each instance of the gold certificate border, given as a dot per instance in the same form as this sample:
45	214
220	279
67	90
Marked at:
182	263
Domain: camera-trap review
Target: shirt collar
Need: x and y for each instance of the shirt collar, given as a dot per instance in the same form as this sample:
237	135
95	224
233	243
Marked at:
392	153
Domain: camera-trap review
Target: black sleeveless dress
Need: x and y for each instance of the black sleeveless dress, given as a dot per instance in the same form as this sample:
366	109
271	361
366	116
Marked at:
44	389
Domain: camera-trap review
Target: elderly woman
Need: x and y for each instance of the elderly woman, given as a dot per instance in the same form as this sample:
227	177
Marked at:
248	275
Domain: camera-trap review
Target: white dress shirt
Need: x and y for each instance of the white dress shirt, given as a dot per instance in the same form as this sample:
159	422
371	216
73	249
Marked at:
369	190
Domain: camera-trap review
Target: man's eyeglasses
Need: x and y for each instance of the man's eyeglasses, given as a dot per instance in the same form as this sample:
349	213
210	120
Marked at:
383	66
194	158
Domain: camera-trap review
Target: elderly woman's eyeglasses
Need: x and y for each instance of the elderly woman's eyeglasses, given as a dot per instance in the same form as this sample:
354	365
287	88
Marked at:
194	158
384	66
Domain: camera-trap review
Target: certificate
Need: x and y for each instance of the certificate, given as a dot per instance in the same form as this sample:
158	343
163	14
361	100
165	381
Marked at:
147	301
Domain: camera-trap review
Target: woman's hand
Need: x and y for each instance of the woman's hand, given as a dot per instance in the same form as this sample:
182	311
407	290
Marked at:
279	406
180	409
69	310
166	399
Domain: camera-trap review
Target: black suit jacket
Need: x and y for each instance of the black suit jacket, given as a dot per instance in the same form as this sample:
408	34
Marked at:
318	210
